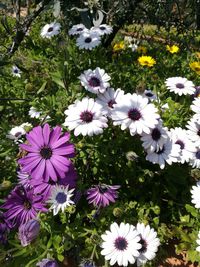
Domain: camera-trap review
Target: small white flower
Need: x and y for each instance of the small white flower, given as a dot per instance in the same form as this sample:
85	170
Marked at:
16	71
16	133
88	40
133	47
196	107
95	81
195	160
60	198
169	153
195	191
149	242
121	244
134	112
194	131
26	125
198	242
164	107
33	113
77	29
150	95
86	117
50	30
109	98
102	29
180	86
180	137
156	138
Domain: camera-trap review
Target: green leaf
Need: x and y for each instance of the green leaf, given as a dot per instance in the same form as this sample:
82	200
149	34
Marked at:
42	87
60	257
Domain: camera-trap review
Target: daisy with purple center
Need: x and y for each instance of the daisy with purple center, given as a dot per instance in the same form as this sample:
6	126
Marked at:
88	40
22	205
193	131
150	95
180	86
102	29
77	29
48	153
196	107
134	112
86	117
121	244
195	160
96	81
102	195
50	30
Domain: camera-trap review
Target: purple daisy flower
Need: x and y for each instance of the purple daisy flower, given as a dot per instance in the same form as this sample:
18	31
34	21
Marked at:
28	232
45	187
24	178
48	153
22	205
102	195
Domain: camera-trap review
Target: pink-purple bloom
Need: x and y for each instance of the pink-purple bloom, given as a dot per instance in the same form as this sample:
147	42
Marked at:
29	232
23	178
48	153
22	205
47	263
102	195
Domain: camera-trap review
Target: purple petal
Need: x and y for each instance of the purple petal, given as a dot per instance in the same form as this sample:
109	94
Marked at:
46	133
61	141
55	134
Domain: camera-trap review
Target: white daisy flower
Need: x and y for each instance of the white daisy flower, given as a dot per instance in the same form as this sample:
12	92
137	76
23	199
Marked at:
194	131
88	40
169	153
86	117
33	113
149	242
16	71
157	137
102	29
60	198
50	30
180	86
26	125
95	81
121	244
109	98
150	95
134	112
195	191
180	137
195	160
196	107
16	133
198	242
77	29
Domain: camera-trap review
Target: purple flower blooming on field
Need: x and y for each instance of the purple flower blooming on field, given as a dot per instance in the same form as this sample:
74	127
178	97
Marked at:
47	263
22	205
102	195
28	232
48	153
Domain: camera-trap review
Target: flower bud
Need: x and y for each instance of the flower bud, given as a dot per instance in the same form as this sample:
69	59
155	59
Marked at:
28	232
117	212
47	263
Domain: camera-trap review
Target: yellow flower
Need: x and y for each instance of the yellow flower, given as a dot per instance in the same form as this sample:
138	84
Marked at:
198	54
172	49
118	46
195	66
142	49
146	61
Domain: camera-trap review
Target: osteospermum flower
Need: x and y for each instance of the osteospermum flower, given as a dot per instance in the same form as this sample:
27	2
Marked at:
180	86
96	81
77	29
109	98
102	195
24	178
16	133
195	160
33	113
169	153
86	117
22	205
156	138
193	127
134	112
16	71
195	66
150	95
172	49
149	242
102	29
48	153
196	107
60	198
146	61
198	242
121	244
88	40
50	30
195	191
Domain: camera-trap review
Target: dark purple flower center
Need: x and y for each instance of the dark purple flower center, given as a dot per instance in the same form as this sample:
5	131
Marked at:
180	143
16	70
46	152
50	29
111	103
86	116
27	205
102	28
94	82
103	189
134	114
156	134
198	154
149	94
144	245
79	29
161	150
18	134
180	85
121	243
88	40
198	132
61	197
